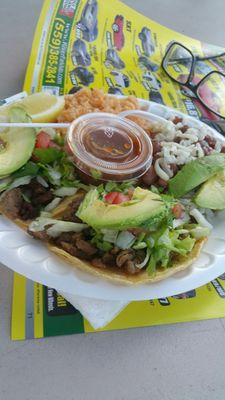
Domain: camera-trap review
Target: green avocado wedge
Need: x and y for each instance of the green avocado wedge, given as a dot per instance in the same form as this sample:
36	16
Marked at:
195	173
212	193
16	147
144	208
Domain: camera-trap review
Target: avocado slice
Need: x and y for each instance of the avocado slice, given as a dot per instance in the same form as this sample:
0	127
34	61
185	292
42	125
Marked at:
195	173
144	209
16	147
212	193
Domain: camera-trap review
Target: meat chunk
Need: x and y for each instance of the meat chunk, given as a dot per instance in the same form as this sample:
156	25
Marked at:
177	120
70	248
184	128
109	259
157	147
27	211
76	245
11	202
86	247
124	256
211	141
42	199
149	177
70	212
41	235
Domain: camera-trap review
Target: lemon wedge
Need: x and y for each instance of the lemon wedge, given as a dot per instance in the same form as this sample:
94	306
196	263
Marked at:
42	107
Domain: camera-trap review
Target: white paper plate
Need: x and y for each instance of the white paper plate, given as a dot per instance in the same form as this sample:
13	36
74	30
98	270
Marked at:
31	258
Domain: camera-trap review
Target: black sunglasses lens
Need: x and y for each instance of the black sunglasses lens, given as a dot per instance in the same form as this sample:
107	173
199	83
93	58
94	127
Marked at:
178	63
211	92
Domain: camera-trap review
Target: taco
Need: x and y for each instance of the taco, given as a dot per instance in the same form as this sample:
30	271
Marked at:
131	232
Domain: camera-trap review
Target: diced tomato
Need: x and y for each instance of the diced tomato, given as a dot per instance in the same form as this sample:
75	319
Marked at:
43	140
121	198
116	198
53	145
178	210
110	197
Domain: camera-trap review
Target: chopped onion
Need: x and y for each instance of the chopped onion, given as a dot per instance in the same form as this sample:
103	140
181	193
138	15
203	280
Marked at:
125	240
42	181
65	191
24	180
65	226
45	214
159	171
202	221
181	221
53	204
144	262
110	235
57	226
54	175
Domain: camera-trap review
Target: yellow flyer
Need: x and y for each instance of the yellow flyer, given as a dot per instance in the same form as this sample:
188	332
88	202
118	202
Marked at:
39	311
105	44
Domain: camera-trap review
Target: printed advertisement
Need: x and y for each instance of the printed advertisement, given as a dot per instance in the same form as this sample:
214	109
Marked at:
39	311
105	44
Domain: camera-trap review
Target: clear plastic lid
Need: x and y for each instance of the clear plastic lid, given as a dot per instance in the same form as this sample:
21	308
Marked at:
108	147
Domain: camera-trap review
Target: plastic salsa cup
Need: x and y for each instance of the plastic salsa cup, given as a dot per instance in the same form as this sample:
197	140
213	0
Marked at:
109	147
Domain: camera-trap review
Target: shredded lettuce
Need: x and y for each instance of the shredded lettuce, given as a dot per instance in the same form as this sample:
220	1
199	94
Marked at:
30	168
140	245
168	241
200	232
111	186
109	235
48	156
100	243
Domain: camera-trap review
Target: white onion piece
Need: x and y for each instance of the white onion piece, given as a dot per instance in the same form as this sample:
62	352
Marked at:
24	180
55	175
202	221
65	226
54	203
57	226
159	171
42	181
144	262
125	240
65	191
